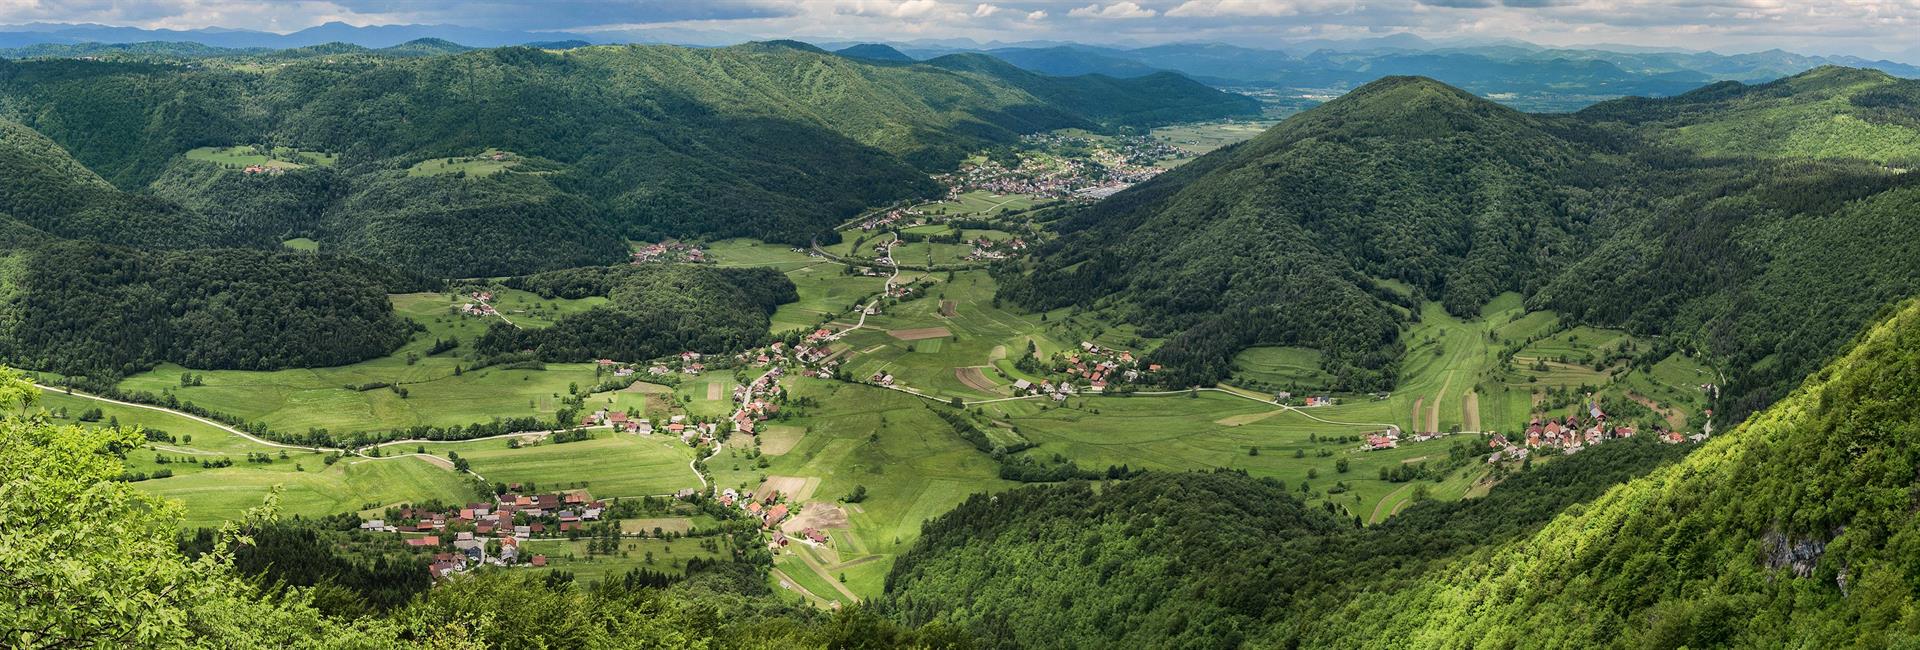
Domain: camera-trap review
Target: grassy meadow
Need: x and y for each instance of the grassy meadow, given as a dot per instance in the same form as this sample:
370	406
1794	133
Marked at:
248	155
912	463
298	400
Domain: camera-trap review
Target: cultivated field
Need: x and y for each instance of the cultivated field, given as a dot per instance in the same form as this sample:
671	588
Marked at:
1216	430
1201	139
609	465
248	155
480	165
319	398
912	463
350	485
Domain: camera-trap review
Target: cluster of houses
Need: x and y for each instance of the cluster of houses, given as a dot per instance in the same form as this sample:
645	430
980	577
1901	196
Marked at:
754	401
1108	168
1032	177
511	519
996	249
669	251
270	170
1309	401
885	219
480	303
770	511
1573	433
687	363
1092	370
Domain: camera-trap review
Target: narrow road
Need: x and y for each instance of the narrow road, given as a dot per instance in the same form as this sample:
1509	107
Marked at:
821	571
248	436
1378	516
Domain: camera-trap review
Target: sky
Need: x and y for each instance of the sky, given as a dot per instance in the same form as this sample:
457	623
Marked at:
1861	27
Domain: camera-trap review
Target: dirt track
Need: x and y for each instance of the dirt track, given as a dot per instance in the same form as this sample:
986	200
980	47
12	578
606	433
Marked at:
921	333
975	379
1471	414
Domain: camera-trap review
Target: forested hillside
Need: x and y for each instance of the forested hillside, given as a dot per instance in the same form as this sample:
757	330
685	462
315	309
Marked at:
1758	224
1280	241
1796	530
775	140
1215	560
103	311
656	310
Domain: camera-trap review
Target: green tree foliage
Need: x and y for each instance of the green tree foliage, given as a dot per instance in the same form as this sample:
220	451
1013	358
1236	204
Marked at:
1275	241
656	310
1206	560
1795	530
92	562
773	140
90	309
1734	221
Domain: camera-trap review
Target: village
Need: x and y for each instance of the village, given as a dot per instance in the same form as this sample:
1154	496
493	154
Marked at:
490	533
671	250
1090	370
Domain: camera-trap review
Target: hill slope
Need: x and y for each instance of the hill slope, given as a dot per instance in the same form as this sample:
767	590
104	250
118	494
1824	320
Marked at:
1795	530
1764	258
1403	179
1828	112
769	140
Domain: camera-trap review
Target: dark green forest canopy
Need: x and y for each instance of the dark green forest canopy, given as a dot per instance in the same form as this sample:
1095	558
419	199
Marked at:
656	310
1737	220
760	140
1795	530
1203	560
81	308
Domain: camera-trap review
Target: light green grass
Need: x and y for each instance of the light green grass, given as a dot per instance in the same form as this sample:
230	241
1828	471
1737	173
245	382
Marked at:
246	155
1216	430
301	244
609	465
351	485
297	400
1283	366
913	465
978	327
477	165
979	202
1203	138
669	556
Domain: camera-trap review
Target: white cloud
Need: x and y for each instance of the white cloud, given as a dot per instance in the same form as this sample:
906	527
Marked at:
1257	8
1115	10
908	9
1037	15
985	11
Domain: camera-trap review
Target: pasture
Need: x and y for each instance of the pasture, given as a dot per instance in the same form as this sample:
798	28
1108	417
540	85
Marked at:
301	244
912	463
441	391
1216	430
314	489
483	164
901	341
609	465
249	155
825	290
1296	369
980	202
666	556
1199	139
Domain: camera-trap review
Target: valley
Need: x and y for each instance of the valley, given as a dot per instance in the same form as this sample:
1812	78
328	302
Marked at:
771	345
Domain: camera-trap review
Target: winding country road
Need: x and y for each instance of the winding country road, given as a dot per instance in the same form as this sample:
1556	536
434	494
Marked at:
250	437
